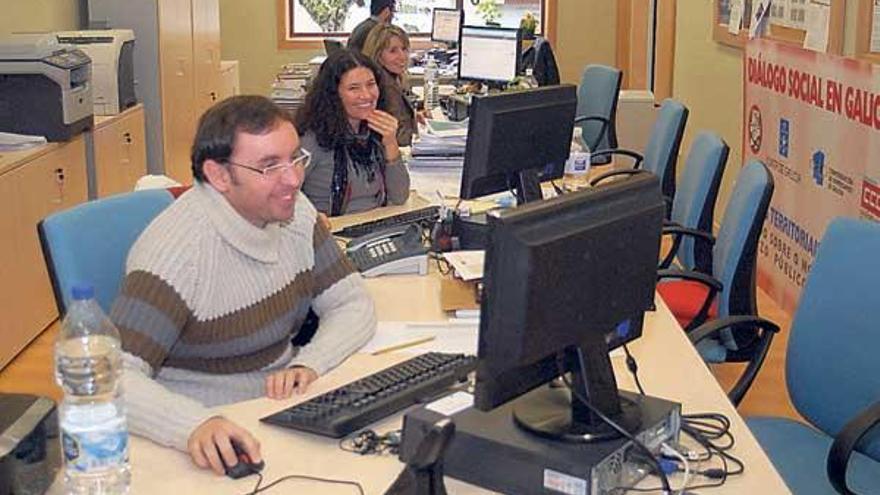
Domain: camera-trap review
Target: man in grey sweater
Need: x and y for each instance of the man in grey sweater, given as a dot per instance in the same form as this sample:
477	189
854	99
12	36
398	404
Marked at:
219	283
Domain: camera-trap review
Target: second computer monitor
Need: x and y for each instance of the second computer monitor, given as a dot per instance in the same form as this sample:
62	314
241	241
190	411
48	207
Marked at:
446	25
489	54
516	139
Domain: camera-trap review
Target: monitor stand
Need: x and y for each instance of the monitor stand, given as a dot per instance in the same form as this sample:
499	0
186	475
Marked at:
556	413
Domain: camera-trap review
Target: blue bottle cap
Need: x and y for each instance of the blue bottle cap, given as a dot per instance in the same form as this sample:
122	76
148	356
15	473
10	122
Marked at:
82	292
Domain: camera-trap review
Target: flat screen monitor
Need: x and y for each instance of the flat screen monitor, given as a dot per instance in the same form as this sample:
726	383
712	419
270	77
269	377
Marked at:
517	139
446	25
489	53
565	280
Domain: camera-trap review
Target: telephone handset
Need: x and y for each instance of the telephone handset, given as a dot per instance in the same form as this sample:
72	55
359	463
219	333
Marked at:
395	250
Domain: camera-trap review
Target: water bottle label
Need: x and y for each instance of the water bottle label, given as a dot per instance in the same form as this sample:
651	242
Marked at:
578	163
94	446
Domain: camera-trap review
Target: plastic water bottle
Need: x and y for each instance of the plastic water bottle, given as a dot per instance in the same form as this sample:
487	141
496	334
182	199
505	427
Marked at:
577	167
88	367
529	80
432	89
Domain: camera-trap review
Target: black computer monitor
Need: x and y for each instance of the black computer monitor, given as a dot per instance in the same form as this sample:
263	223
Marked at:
489	54
517	139
567	279
446	25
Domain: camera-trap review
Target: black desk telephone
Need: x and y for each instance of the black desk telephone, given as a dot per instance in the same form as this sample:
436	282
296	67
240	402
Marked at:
396	250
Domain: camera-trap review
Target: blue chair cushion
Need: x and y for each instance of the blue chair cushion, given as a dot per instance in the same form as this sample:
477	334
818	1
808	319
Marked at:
712	350
800	453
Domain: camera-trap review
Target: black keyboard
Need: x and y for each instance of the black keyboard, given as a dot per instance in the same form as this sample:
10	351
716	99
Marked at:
426	214
354	406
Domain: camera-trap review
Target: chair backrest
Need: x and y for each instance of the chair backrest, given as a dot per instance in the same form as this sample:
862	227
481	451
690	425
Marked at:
664	142
694	203
597	97
90	242
539	57
832	369
734	255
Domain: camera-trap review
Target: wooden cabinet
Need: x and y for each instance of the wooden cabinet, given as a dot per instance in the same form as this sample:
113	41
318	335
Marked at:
177	67
120	151
229	79
206	53
33	184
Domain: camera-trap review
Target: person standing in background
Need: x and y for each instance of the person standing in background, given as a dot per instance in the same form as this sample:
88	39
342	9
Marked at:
381	12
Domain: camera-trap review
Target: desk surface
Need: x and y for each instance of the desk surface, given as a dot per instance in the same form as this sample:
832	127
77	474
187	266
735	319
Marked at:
669	368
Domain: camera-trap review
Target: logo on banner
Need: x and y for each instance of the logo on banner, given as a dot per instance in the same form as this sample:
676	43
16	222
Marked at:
871	199
818	162
783	137
756	131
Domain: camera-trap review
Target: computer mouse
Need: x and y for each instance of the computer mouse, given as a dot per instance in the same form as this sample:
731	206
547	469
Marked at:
245	466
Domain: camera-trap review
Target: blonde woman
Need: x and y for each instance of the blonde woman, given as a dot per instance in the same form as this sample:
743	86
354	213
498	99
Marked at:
388	46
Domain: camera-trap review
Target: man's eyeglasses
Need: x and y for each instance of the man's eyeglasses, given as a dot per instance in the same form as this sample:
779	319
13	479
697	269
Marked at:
301	159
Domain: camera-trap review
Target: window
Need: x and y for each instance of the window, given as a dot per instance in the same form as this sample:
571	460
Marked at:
315	19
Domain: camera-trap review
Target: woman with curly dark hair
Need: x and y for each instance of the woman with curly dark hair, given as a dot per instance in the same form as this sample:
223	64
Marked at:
356	163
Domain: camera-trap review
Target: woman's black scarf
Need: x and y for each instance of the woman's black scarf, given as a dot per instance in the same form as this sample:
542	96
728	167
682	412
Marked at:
367	156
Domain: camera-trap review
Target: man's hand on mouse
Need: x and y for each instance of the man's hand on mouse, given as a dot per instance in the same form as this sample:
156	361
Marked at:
282	384
213	439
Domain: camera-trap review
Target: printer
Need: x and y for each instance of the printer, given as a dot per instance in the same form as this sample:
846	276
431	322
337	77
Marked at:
45	88
112	54
30	451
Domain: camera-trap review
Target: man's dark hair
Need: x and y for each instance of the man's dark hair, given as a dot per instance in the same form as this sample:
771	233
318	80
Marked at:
322	111
376	6
215	136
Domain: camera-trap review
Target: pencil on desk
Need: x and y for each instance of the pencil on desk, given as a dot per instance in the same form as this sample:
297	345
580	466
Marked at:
404	345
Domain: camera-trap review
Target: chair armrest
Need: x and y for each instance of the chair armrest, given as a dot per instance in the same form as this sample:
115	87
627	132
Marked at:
680	231
605	123
707	280
712	284
637	157
676	230
844	444
709	329
614	173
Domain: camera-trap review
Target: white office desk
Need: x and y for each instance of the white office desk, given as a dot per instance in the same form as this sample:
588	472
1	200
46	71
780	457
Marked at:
668	367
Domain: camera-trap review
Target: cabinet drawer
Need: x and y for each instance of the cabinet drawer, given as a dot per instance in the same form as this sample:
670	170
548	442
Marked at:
51	182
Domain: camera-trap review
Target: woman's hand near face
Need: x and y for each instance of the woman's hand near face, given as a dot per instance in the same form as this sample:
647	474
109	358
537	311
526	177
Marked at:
386	125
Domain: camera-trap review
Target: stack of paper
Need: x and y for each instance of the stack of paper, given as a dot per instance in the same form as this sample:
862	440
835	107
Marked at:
433	152
418	337
14	142
289	88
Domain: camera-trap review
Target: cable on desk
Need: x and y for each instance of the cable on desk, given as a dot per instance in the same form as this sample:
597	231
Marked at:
712	432
633	368
585	401
257	489
368	442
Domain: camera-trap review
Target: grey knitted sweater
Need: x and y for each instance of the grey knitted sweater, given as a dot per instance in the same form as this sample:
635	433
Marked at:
209	305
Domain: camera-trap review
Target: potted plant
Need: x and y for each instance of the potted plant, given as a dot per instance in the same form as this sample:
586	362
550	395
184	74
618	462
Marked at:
528	24
489	11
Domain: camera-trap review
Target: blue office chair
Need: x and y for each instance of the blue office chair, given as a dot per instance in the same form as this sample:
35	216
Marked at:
597	108
695	298
832	371
693	209
90	242
661	152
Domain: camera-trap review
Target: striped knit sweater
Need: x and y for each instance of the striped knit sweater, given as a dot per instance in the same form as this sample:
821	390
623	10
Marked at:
210	303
